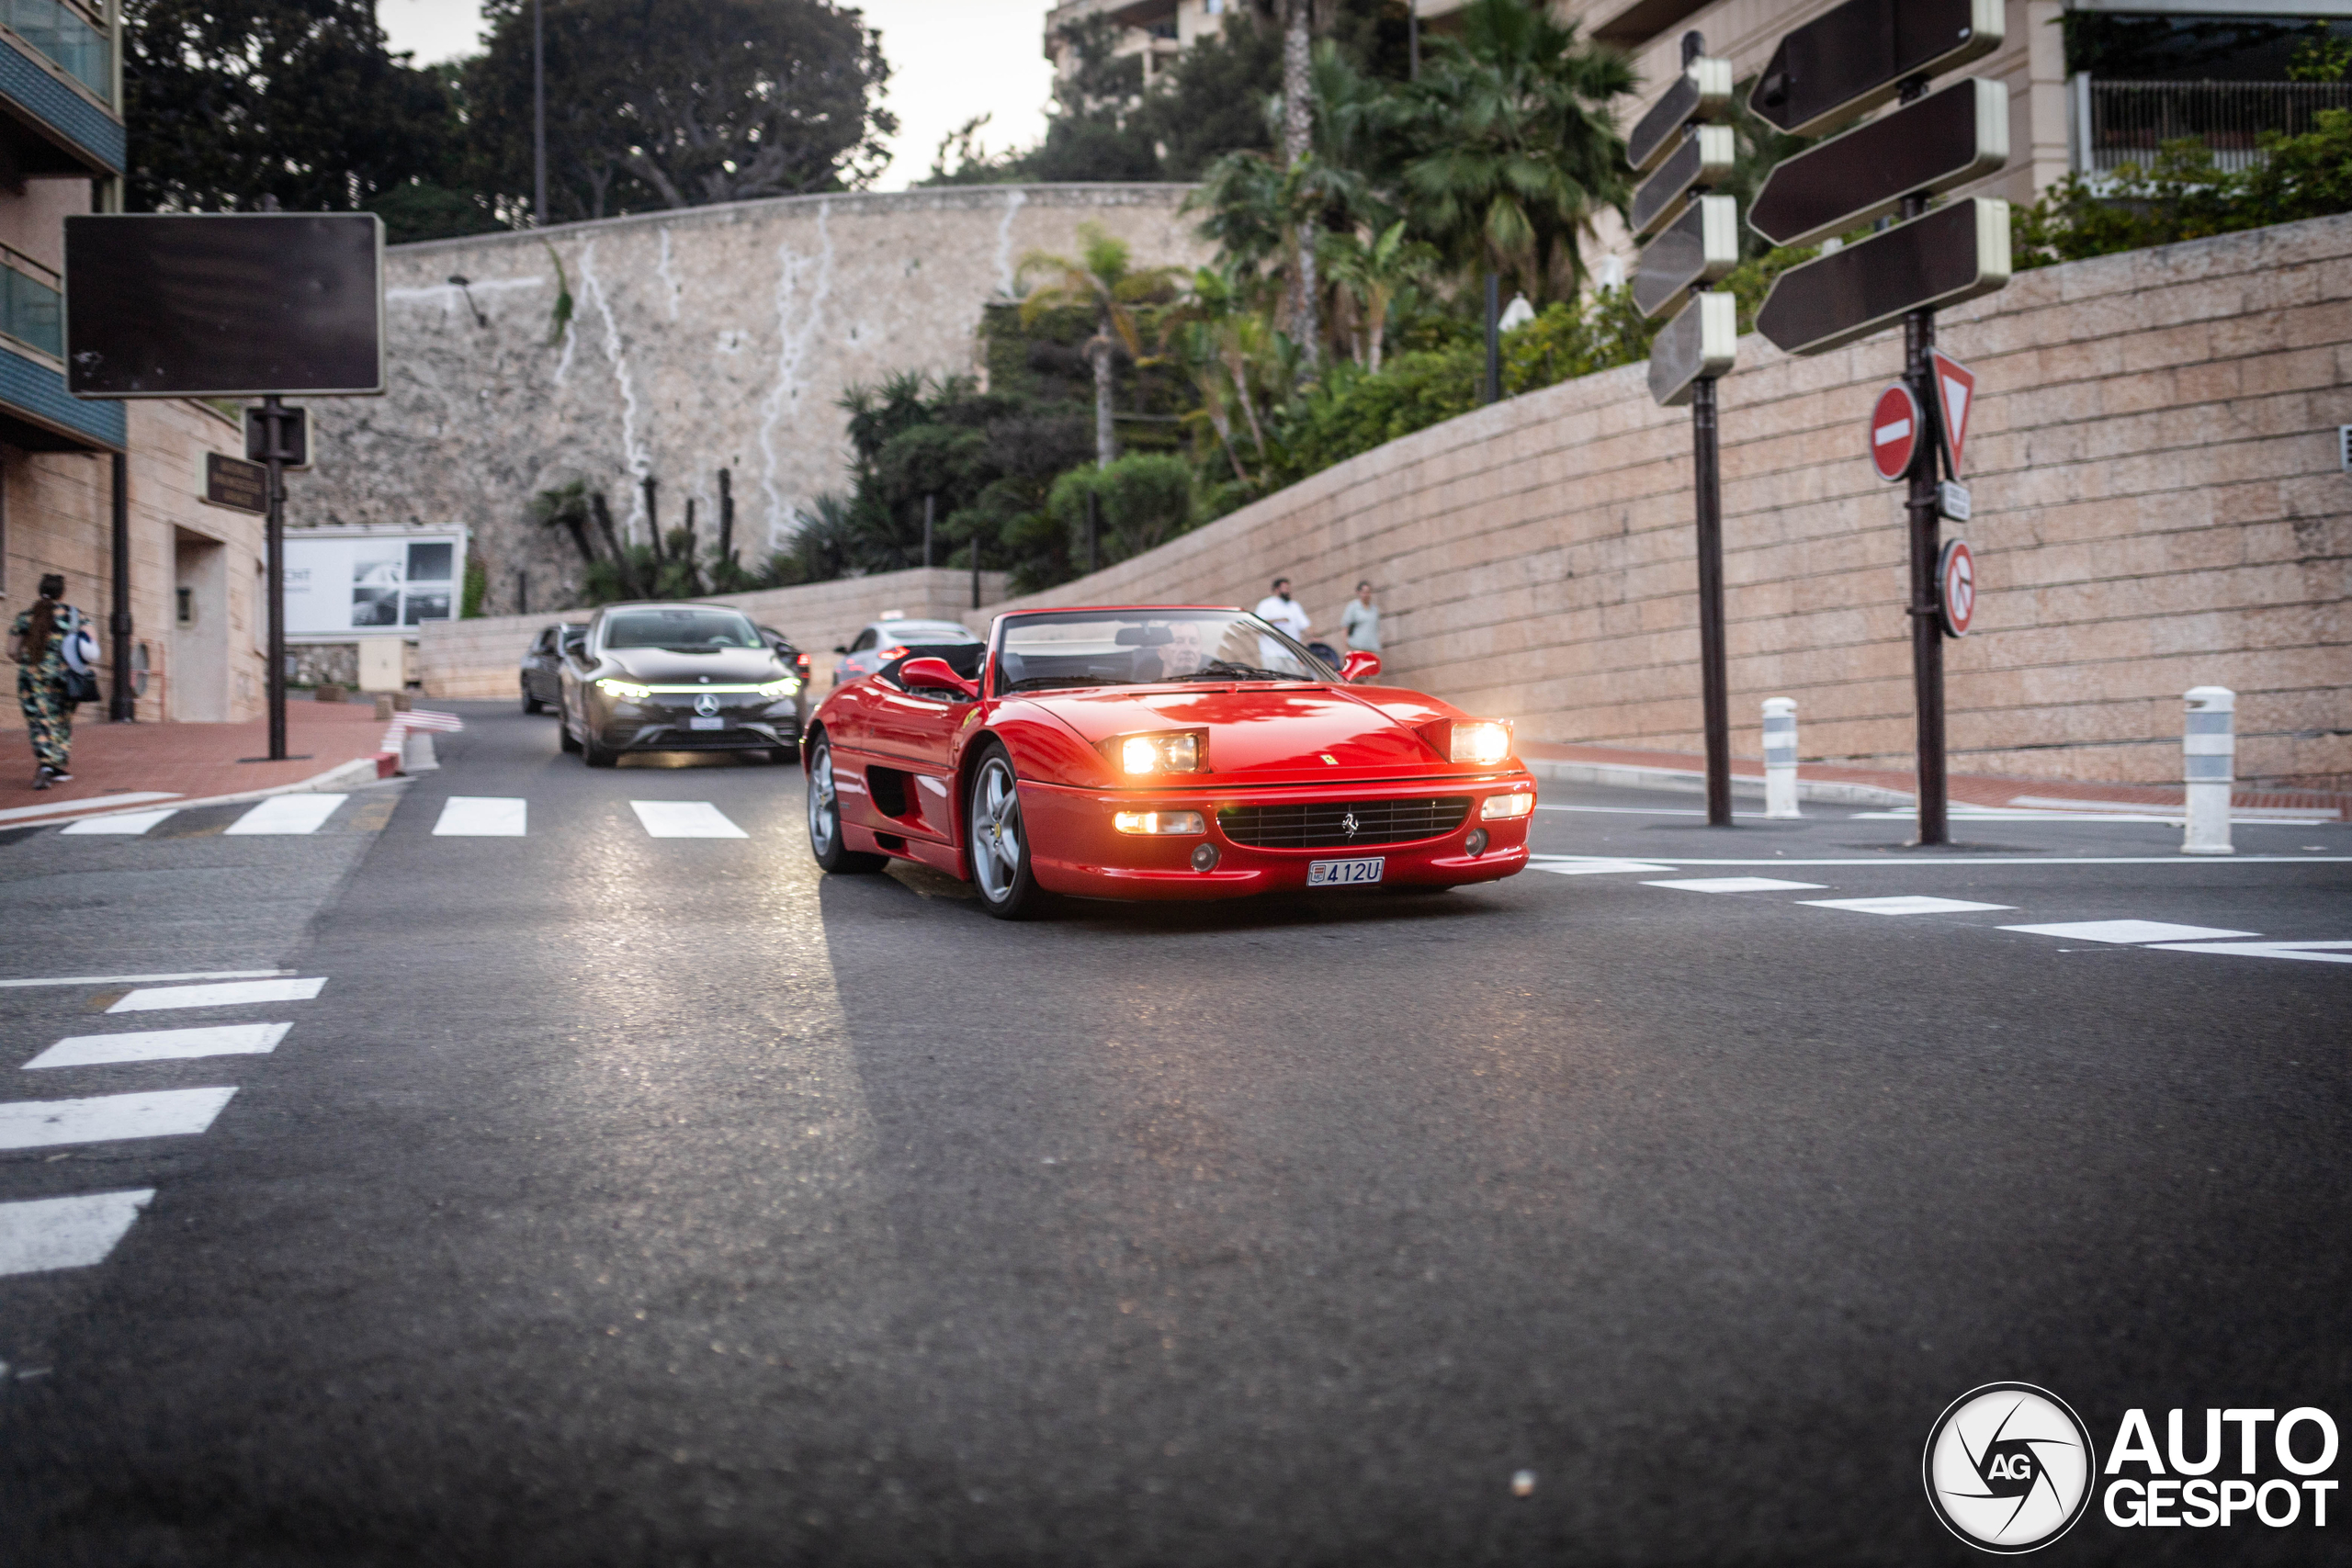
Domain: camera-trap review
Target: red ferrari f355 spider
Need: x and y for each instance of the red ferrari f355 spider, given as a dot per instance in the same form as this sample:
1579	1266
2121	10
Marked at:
1157	752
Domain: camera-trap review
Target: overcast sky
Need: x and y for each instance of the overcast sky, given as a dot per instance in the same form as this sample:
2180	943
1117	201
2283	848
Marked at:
949	61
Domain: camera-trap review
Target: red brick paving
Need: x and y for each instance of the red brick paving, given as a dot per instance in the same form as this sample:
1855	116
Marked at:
193	760
1971	789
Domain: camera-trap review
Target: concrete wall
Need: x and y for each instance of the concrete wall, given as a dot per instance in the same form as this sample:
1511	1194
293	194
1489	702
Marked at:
482	658
718	337
2158	505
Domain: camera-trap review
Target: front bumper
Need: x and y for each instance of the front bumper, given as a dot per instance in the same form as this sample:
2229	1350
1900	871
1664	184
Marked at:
1074	849
649	727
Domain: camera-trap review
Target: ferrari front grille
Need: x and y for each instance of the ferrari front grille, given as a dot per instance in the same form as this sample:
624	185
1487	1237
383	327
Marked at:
1337	824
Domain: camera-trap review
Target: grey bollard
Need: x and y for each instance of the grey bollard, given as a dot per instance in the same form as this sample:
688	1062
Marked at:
1780	758
2209	767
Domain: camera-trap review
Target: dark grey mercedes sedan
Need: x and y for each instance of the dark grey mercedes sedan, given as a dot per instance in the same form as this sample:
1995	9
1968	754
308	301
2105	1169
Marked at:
678	678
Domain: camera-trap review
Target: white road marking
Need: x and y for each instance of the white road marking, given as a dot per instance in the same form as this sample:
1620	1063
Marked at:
235	993
1640	810
147	980
162	1045
685	819
283	814
94	803
1906	863
482	817
132	822
1588	865
1736	885
40	1233
1908	904
155	1113
2129	931
2055	813
2320	951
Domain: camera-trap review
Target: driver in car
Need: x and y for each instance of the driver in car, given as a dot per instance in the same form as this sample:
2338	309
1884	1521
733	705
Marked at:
1183	654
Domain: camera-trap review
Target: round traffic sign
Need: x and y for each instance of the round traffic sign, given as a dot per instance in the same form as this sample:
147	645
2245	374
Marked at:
1894	432
1956	587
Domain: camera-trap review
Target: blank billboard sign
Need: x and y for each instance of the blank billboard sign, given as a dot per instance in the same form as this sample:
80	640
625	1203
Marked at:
169	305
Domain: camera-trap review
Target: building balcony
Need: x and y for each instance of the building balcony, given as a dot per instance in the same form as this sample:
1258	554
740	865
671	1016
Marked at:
58	90
2115	123
36	412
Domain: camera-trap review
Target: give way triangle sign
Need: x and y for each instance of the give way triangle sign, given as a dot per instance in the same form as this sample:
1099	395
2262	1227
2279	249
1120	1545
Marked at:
1955	396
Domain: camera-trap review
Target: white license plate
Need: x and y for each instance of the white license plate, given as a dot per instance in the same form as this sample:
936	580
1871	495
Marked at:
1344	873
700	723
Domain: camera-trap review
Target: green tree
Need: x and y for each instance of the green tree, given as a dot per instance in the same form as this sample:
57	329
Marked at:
680	103
1514	151
1101	278
294	100
1143	500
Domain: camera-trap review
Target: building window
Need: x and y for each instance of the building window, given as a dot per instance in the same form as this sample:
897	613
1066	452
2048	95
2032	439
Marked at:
67	38
31	309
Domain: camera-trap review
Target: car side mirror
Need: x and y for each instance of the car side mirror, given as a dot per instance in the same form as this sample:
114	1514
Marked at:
1359	666
840	649
936	674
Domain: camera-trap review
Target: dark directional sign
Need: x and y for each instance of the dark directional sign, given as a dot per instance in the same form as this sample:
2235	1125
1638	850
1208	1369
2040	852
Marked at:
1702	341
1701	92
1704	158
1698	247
1838	67
1953	253
294	431
1943	140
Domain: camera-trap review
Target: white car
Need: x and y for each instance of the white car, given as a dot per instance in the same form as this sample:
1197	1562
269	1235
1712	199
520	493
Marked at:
882	642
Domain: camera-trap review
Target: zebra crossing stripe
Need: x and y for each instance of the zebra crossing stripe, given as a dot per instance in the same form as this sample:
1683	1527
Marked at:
233	993
685	819
162	1045
482	817
288	814
132	822
158	1113
40	1233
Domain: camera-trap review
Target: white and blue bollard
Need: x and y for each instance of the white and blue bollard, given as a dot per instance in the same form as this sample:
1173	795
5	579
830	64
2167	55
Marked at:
1780	757
2209	767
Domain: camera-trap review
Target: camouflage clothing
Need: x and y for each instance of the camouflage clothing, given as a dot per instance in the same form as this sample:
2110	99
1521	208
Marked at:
40	692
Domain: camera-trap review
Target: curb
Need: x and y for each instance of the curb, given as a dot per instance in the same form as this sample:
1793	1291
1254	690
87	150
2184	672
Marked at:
1686	781
343	776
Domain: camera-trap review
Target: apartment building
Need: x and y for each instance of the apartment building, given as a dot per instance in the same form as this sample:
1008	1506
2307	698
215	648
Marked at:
1159	31
68	465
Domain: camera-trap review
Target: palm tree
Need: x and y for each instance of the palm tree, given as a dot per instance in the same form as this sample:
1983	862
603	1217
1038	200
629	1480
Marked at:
1101	278
1372	275
1220	337
1516	149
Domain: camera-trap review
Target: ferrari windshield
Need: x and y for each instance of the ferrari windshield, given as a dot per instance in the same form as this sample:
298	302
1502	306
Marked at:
683	630
1136	648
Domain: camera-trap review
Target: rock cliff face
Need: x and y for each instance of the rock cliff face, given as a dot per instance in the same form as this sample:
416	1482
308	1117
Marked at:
712	338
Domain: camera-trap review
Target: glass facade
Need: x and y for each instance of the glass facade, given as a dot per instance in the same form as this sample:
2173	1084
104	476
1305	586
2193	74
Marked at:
31	309
69	39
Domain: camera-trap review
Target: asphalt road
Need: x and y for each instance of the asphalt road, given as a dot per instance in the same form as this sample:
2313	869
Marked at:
636	1200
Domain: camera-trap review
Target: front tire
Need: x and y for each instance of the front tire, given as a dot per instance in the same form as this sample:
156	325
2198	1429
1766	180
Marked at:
530	703
597	755
563	737
997	839
825	841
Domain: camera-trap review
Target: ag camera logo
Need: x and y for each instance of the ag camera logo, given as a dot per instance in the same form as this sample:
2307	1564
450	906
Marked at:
2009	1467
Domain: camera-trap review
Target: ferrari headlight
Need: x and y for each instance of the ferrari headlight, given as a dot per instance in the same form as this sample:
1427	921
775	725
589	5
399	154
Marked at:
1160	822
784	688
1482	742
626	690
1176	751
1502	808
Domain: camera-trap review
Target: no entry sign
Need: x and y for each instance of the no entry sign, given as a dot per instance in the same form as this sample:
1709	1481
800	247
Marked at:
1956	587
1894	432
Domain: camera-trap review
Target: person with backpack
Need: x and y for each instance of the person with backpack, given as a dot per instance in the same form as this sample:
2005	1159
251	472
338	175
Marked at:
54	651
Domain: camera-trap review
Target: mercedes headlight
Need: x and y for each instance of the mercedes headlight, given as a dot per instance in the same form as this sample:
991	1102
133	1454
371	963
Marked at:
784	688
1165	751
1481	741
626	690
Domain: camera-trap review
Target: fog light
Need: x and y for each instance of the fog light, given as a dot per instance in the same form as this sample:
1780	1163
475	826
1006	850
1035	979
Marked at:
1476	842
1204	857
1158	822
1501	807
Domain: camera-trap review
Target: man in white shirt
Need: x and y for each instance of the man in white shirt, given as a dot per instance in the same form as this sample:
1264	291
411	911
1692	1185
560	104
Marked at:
1361	621
1286	614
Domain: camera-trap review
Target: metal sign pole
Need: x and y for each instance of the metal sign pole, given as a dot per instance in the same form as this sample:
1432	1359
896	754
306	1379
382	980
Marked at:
1927	626
1714	681
272	418
123	708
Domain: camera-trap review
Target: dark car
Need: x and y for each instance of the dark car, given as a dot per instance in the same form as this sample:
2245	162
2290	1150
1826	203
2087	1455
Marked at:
678	678
543	666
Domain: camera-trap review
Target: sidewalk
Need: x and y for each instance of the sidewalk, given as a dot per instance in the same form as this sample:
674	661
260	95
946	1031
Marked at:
1882	786
193	761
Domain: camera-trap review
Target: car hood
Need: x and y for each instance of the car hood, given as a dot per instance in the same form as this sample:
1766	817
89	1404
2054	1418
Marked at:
1271	732
721	667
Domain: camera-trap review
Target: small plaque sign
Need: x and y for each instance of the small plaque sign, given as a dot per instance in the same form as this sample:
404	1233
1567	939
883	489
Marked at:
236	484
